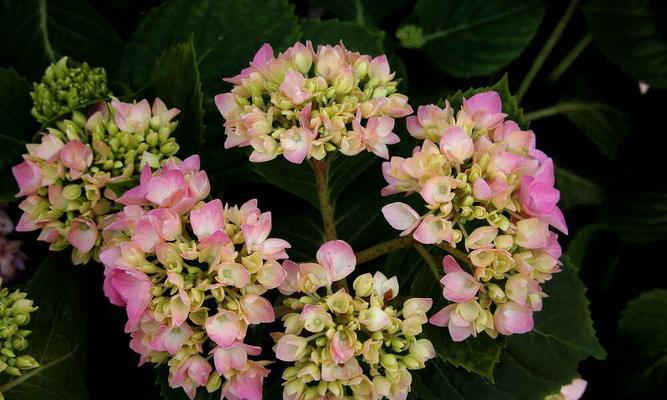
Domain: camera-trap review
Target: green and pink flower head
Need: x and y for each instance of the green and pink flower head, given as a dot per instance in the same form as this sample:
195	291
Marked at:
487	189
305	103
348	345
72	177
192	275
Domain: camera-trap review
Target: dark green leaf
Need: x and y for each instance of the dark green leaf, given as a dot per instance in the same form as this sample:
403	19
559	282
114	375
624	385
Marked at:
637	218
533	365
226	34
478	37
17	124
363	12
632	35
39	32
356	37
576	190
579	245
183	93
300	179
58	334
605	126
642	325
510	104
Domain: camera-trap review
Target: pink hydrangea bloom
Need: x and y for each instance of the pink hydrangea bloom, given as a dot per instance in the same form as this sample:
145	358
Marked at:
334	336
72	178
192	275
483	183
292	123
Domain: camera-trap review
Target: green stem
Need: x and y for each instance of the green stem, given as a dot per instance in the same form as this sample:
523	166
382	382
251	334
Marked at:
463	257
553	110
546	50
322	182
381	249
570	58
432	265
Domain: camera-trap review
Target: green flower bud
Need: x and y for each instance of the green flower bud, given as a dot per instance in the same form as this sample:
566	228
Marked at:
411	36
72	191
169	148
26	362
213	383
64	88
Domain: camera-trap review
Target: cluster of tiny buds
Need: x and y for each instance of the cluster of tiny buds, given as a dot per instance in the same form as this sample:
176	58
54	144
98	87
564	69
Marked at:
71	179
348	345
64	88
15	310
305	103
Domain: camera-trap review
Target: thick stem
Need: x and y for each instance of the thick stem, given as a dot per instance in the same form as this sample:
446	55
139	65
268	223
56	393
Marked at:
463	257
432	265
569	58
381	249
322	182
553	110
546	50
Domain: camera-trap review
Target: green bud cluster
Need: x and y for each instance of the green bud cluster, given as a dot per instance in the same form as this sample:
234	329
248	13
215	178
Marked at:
15	310
411	36
64	88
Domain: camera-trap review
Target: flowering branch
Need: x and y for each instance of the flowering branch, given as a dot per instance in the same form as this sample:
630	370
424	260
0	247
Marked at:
456	253
544	53
322	182
432	265
384	248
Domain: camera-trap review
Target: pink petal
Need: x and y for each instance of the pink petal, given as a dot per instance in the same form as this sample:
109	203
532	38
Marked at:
338	258
401	216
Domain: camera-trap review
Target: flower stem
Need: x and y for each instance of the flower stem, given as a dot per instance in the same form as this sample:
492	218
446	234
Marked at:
322	182
570	58
381	249
546	50
432	265
553	110
456	253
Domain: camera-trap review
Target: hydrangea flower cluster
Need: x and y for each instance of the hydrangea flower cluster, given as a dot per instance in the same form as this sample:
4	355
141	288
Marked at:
344	345
81	166
65	88
12	259
191	275
15	310
305	103
484	184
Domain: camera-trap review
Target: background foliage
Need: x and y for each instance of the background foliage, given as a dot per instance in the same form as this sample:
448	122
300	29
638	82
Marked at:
584	105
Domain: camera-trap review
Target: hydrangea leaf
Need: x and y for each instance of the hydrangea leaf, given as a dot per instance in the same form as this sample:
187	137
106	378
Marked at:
642	328
300	179
183	93
604	125
57	339
535	364
18	126
637	217
477	37
577	190
39	32
356	37
226	34
640	47
362	12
